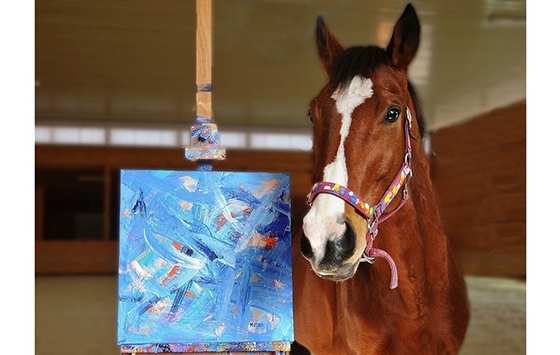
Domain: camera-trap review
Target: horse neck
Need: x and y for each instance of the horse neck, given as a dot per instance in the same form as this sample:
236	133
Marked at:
415	238
422	196
420	214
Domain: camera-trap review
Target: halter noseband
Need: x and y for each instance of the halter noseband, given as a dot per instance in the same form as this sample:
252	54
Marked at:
374	214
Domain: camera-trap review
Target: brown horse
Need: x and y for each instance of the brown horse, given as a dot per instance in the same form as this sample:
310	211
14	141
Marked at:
373	200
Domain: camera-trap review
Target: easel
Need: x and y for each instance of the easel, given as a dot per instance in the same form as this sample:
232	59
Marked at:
204	149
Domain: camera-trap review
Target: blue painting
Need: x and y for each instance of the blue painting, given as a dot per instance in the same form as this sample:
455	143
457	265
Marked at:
204	258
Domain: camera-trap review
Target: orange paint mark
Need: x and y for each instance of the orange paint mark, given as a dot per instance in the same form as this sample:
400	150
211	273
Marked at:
278	284
255	279
269	185
157	308
185	205
177	246
170	274
189	183
221	221
127	213
270	242
234	310
190	294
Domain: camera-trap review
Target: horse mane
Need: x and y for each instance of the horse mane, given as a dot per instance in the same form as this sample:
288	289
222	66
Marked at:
417	109
363	60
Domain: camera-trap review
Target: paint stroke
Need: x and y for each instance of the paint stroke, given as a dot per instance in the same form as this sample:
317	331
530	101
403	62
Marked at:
204	258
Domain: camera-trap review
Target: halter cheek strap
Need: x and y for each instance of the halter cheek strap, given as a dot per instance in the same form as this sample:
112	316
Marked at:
374	214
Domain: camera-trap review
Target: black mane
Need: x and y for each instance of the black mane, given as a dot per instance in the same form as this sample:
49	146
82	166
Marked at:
417	109
363	61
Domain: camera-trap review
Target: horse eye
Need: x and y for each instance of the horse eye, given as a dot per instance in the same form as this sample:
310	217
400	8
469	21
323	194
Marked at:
309	116
392	115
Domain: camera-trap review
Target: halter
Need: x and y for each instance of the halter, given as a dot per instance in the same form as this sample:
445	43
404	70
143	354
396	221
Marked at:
374	214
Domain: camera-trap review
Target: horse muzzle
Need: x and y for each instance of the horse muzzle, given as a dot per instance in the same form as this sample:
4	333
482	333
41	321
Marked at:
331	259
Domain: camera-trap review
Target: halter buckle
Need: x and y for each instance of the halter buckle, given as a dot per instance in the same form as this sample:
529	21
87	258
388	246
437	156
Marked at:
372	227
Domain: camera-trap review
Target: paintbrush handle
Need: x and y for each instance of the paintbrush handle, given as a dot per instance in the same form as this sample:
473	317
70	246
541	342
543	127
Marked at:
204	146
204	58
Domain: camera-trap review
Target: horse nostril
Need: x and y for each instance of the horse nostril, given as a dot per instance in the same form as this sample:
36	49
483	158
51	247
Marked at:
305	247
347	243
341	248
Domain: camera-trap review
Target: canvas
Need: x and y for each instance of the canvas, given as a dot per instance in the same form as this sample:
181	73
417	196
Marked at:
204	260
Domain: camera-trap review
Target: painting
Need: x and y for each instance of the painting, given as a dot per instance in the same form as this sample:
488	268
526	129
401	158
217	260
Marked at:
204	261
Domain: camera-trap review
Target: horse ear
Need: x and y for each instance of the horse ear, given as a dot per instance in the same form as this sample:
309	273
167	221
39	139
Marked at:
405	39
328	46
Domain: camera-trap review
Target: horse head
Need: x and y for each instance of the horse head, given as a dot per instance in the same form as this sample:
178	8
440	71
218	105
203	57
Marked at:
362	124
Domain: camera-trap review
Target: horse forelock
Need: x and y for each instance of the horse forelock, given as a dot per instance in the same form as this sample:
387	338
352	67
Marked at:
363	61
357	61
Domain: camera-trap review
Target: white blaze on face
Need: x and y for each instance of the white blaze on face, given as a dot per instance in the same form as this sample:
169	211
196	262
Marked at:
322	221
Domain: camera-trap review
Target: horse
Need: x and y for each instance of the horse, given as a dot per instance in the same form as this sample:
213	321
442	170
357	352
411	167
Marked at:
372	202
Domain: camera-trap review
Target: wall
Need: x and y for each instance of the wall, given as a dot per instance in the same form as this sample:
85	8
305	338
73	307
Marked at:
479	175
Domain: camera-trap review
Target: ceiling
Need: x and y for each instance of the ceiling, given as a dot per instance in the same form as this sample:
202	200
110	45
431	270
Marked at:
133	62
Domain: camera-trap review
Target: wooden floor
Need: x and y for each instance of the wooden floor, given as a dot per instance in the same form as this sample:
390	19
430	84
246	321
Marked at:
77	315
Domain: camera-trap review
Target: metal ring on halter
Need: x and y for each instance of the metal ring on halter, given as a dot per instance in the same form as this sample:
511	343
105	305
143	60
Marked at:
372	222
405	191
373	231
407	158
409	119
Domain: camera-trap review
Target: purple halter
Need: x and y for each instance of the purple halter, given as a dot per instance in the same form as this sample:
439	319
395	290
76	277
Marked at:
374	214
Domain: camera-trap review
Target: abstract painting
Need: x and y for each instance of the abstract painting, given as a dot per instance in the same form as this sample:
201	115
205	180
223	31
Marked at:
204	261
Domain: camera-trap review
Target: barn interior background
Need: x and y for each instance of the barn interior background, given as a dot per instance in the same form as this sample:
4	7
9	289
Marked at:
115	88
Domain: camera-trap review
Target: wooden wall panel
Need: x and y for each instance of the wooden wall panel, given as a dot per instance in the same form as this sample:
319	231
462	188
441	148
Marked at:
479	175
76	257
